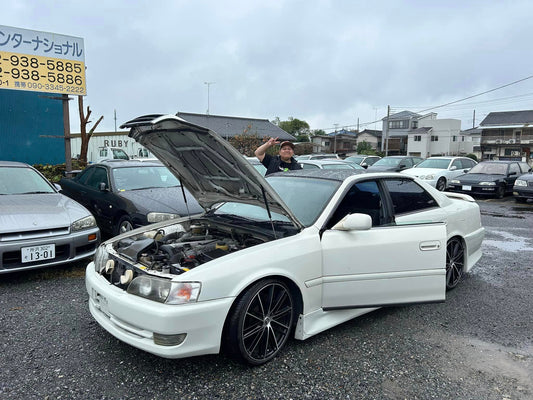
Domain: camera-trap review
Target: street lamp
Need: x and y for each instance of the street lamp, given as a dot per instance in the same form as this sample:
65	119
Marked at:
208	84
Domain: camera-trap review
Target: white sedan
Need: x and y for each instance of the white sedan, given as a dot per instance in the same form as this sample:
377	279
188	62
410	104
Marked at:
439	171
290	255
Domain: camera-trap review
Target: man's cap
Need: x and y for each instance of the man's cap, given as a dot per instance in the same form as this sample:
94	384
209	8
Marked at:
286	143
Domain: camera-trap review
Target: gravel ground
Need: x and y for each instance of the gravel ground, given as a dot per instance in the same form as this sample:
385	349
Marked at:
476	345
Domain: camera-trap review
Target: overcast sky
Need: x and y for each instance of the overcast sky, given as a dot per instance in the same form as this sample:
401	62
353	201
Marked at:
330	63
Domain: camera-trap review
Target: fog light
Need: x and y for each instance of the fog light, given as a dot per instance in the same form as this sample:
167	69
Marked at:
169	340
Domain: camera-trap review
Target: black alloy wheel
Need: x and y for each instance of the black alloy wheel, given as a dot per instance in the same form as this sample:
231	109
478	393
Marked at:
455	262
261	322
441	184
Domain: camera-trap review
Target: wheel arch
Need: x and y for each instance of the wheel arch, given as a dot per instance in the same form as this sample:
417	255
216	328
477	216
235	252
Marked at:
293	287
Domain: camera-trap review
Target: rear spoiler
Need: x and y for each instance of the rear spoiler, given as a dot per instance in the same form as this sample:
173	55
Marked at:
460	196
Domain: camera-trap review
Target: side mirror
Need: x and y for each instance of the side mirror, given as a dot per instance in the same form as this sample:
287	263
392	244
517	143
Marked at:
354	222
453	168
102	186
512	173
364	165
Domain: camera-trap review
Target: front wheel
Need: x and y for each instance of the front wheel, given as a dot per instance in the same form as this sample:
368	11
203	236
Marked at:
441	184
500	192
261	322
455	262
124	224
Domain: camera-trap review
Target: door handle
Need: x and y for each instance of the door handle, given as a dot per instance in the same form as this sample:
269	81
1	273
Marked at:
429	245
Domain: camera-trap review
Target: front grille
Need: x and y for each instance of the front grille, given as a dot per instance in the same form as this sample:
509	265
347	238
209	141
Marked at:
38	234
13	259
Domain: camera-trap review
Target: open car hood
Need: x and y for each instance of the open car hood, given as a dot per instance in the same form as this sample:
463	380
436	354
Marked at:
206	164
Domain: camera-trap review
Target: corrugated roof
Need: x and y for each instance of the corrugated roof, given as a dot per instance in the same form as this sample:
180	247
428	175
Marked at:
234	126
508	118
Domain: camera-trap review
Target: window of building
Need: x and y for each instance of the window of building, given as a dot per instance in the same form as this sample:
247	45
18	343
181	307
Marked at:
454	138
418	138
414	124
398	124
434	138
462	138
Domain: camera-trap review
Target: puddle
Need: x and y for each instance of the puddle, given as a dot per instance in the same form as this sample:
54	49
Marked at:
509	242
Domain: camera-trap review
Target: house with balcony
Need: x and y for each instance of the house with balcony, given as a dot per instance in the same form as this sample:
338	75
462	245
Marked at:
339	142
507	135
437	137
396	128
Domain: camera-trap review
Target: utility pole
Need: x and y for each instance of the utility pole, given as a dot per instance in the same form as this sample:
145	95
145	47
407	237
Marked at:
335	140
208	84
387	133
474	120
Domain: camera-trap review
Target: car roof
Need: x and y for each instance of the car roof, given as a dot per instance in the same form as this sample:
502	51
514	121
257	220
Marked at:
499	161
13	164
129	163
329	174
322	161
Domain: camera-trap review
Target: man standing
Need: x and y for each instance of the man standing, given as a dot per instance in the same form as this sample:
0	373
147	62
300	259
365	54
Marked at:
284	161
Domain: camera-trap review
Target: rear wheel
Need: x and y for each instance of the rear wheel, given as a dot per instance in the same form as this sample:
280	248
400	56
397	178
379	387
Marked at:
441	184
455	262
261	322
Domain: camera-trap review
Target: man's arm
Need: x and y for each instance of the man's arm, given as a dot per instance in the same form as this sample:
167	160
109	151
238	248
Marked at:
261	150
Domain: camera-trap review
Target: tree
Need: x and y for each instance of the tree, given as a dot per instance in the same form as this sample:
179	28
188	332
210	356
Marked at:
294	126
365	148
85	136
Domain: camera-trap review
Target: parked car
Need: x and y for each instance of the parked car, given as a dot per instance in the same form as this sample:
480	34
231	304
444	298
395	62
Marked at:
123	195
39	227
329	164
439	171
362	160
257	165
394	163
292	254
111	153
490	178
317	156
523	188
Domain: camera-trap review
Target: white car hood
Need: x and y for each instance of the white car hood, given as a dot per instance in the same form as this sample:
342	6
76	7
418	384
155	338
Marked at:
38	211
206	164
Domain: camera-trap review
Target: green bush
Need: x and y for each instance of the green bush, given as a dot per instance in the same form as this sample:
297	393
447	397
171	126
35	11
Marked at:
55	172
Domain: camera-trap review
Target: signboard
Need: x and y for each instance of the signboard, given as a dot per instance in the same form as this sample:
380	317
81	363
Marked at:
41	61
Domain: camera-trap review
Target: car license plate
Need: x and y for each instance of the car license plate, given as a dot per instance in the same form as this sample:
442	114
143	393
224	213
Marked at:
38	253
467	187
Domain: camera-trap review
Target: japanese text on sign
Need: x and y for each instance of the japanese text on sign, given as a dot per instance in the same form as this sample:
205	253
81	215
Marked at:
41	61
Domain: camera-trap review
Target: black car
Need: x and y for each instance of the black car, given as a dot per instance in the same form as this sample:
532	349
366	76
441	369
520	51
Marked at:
123	195
523	188
394	163
489	178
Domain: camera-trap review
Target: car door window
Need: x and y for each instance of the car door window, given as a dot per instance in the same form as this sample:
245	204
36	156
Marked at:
458	164
99	175
407	196
83	176
362	197
514	168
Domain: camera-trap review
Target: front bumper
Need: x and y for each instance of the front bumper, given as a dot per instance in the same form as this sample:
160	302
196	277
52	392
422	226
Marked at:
525	192
134	320
68	247
475	190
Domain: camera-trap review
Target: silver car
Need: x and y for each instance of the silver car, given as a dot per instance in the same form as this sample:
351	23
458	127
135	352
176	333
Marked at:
40	227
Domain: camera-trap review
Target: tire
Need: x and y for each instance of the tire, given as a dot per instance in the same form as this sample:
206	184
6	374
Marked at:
500	192
441	184
261	322
123	225
455	262
520	199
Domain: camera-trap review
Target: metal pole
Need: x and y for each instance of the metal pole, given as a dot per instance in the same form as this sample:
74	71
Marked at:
387	133
66	131
208	84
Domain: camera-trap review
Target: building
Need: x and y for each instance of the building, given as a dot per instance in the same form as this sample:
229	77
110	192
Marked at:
339	142
370	136
228	127
507	135
436	137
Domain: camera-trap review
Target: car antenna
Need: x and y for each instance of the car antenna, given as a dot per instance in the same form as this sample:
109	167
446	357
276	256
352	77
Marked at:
268	211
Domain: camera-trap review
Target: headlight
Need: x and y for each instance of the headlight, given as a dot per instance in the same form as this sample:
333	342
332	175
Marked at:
428	177
164	291
158	217
520	182
487	183
455	181
100	258
84	223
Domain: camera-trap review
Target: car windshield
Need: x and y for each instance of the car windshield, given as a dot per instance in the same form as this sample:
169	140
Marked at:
306	198
438	163
16	180
143	177
391	162
337	166
489	169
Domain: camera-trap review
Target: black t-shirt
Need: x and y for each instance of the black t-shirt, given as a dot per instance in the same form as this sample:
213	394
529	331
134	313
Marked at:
275	164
